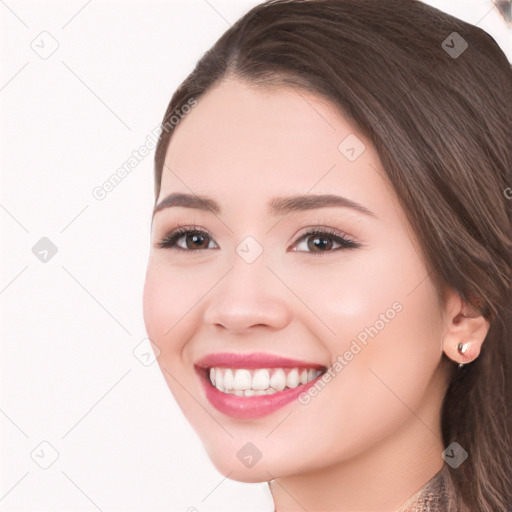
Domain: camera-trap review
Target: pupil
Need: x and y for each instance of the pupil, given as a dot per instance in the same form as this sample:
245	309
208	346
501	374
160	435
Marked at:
196	239
320	242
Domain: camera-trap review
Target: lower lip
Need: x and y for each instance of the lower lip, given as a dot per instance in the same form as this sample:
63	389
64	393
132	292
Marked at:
244	407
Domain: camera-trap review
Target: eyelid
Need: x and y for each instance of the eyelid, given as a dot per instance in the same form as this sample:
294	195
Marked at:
312	228
328	220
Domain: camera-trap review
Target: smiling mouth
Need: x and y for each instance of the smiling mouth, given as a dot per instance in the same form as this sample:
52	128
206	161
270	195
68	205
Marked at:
259	381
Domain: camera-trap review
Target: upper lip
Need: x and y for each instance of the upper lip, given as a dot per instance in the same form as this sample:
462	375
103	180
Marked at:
253	360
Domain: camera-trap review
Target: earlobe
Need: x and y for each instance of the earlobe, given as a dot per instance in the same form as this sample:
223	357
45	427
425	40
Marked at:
465	331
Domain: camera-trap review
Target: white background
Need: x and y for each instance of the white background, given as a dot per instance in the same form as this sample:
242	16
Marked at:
69	326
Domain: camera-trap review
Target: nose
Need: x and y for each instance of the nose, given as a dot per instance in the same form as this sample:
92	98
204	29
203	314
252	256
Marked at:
249	296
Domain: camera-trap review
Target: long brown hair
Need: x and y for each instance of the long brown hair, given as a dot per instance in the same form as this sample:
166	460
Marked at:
439	114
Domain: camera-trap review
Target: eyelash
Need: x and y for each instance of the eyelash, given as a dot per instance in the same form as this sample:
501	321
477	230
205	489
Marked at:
169	240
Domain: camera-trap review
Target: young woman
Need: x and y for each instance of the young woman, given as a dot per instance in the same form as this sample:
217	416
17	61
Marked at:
329	282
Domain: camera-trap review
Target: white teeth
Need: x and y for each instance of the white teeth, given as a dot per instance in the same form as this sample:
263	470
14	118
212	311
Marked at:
260	381
228	379
218	382
278	380
242	380
292	379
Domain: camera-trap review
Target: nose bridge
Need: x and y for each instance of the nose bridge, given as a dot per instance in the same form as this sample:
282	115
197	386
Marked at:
249	294
249	275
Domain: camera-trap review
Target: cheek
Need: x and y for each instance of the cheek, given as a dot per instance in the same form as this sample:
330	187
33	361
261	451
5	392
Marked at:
381	292
386	325
363	288
156	303
168	301
169	298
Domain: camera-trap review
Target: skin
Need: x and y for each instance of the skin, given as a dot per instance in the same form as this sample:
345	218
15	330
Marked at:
371	438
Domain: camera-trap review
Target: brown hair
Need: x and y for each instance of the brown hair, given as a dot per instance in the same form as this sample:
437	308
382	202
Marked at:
441	124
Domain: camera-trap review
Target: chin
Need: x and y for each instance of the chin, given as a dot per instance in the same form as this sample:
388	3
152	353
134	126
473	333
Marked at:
243	462
234	470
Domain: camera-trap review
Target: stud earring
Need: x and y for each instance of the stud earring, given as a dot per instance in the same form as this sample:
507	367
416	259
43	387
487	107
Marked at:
462	349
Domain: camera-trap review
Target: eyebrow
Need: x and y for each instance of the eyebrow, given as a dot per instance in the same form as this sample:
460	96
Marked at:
276	206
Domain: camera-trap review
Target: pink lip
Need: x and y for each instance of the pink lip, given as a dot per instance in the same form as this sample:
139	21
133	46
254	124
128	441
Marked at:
254	406
253	360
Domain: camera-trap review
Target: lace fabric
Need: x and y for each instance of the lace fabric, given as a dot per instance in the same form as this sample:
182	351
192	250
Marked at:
437	495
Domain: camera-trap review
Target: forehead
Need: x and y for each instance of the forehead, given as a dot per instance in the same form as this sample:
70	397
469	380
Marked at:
243	143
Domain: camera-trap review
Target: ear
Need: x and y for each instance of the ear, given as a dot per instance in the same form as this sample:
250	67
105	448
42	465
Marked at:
464	326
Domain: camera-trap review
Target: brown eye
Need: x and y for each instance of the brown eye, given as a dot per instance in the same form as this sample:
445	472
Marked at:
194	240
318	242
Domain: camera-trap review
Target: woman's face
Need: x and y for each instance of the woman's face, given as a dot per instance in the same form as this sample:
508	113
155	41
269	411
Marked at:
267	305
